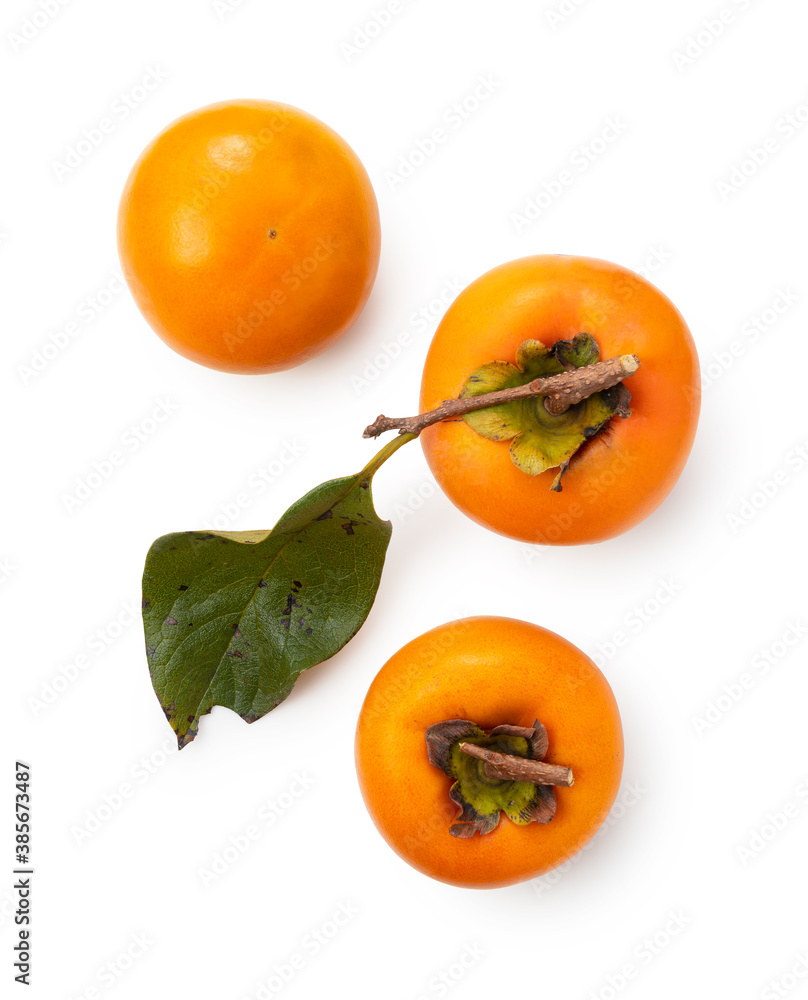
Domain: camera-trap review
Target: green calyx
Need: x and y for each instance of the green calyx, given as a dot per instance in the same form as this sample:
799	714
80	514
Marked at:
541	440
480	798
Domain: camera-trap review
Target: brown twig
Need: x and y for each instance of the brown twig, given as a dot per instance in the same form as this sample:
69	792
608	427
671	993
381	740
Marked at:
561	392
509	767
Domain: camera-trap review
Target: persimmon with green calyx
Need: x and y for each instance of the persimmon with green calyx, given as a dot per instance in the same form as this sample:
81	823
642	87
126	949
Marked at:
571	476
489	751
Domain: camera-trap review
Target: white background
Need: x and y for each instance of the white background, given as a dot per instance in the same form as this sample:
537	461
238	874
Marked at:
695	796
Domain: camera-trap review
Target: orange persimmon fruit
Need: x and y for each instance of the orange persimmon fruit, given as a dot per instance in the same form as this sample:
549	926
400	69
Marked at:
622	468
491	672
249	235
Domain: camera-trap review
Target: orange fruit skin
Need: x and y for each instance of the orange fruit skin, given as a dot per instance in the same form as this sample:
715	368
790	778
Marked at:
249	235
617	478
490	671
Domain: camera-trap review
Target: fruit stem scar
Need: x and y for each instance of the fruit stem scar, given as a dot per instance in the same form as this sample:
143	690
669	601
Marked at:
560	392
509	767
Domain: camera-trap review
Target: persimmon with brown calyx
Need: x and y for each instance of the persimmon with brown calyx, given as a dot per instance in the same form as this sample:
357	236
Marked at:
489	751
249	235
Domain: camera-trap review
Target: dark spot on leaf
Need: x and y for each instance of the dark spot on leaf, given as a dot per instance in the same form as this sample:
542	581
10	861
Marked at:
190	718
145	604
170	621
237	654
309	631
349	526
285	622
301	622
326	515
236	631
291	602
183	587
262	583
151	651
297	584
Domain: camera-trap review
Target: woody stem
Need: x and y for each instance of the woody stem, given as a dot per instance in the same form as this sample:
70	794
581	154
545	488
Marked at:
560	392
509	767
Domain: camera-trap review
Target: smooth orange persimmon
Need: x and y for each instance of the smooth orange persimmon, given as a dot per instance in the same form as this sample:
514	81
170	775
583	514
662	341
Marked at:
623	472
249	235
492	672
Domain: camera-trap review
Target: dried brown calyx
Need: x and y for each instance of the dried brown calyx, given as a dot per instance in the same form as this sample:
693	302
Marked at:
498	771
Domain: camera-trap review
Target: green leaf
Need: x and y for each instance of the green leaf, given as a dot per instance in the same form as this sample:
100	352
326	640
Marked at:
233	618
